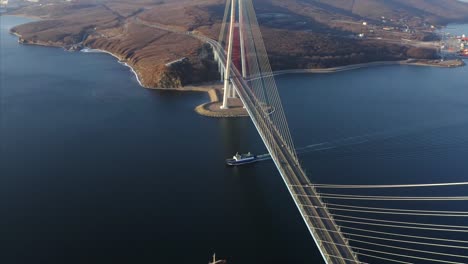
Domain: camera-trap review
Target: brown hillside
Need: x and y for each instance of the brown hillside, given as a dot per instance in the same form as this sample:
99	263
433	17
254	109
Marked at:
297	33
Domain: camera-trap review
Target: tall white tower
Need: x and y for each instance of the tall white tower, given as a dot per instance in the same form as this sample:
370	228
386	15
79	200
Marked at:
229	91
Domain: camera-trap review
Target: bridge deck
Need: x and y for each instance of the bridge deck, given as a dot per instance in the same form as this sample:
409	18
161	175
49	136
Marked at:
323	229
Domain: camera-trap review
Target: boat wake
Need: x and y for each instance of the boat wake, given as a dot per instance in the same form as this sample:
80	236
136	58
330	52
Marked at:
402	142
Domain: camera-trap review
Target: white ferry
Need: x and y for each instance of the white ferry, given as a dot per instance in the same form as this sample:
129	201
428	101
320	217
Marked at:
241	159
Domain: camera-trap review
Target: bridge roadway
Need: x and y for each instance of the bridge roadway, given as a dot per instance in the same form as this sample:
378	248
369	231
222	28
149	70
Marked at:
331	243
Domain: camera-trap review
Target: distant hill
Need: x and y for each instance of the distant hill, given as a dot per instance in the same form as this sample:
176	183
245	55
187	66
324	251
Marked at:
433	11
297	33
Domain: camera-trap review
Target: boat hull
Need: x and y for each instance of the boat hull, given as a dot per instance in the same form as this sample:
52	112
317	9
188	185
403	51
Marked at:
233	162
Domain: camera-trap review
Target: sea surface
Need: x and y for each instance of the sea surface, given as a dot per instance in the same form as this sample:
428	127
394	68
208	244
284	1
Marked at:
457	29
96	169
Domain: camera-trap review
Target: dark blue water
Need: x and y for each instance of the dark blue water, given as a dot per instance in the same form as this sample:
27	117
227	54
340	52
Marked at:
414	120
95	169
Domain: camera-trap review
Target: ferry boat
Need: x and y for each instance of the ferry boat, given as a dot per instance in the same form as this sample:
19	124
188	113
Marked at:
241	159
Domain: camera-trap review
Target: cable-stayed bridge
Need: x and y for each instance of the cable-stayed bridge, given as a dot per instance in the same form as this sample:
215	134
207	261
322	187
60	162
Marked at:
261	100
347	222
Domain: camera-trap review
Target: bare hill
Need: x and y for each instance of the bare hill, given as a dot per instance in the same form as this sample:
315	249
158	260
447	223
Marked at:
298	33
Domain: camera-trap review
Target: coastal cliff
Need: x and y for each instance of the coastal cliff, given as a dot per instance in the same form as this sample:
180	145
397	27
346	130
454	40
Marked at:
149	58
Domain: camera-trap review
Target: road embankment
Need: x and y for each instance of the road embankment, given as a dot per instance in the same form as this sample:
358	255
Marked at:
411	62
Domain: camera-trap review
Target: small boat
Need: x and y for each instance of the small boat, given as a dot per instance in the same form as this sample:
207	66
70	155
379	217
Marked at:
217	261
241	159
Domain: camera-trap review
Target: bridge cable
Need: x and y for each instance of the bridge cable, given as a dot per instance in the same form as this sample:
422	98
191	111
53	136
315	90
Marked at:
222	33
399	222
278	114
388	198
341	258
388	225
405	241
396	212
253	64
409	249
257	84
398	209
382	258
404	235
393	240
394	254
338	186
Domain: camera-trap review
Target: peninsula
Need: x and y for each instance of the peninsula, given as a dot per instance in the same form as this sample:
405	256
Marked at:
151	35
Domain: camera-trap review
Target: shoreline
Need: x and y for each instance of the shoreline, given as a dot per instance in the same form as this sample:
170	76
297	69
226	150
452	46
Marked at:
21	15
213	88
88	50
196	87
213	91
409	62
119	60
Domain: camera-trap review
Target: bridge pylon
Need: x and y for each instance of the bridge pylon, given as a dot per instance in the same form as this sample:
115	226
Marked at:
235	40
